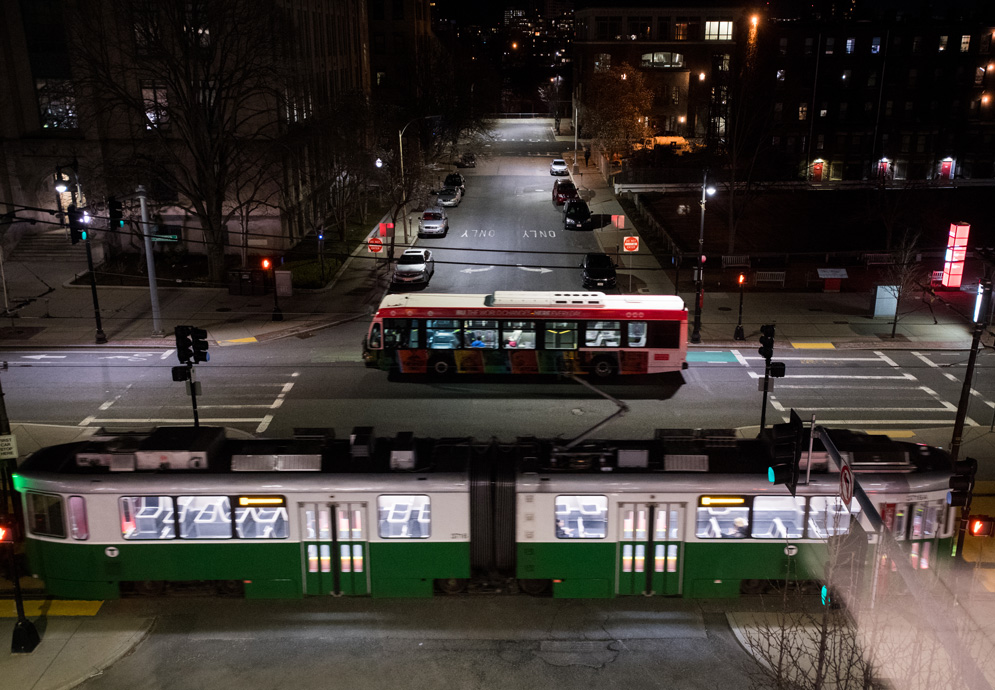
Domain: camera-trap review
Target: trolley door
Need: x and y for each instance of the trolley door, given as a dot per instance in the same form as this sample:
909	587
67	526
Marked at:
650	548
335	553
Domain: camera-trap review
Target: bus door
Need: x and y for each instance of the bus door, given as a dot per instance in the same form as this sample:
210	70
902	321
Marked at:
650	548
335	555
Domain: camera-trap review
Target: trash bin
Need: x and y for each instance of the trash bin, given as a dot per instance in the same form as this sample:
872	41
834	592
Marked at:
257	283
239	282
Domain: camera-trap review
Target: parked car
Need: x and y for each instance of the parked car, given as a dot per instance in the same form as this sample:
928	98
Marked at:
433	222
455	180
576	215
558	167
414	267
598	271
449	196
564	191
467	160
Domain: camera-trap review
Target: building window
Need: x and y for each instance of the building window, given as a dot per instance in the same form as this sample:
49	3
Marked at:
830	44
663	28
875	45
602	62
718	31
906	143
809	45
675	95
872	79
57	103
921	143
868	107
846	76
803	111
397	11
156	106
843	110
851	43
640	28
965	43
917	44
783	46
661	60
979	75
778	109
820	142
780	75
824	110
913	77
681	29
943	44
608	28
723	62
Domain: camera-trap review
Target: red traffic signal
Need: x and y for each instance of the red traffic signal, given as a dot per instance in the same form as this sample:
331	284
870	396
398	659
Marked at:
981	526
267	264
6	529
742	278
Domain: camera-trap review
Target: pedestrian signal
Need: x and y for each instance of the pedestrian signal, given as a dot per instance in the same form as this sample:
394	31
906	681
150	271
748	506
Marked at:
115	213
981	526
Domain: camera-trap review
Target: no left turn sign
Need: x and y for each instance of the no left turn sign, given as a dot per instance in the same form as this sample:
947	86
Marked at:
846	485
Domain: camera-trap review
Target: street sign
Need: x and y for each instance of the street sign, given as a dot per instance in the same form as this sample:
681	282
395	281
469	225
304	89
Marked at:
770	385
375	244
846	485
8	447
631	244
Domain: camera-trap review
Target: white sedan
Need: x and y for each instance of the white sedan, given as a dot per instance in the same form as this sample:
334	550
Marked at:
558	167
449	196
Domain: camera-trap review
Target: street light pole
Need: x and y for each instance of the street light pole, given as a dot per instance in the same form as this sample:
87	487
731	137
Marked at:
738	333
77	195
699	284
404	192
157	331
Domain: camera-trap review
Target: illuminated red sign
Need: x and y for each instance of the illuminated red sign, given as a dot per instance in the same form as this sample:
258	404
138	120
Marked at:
953	263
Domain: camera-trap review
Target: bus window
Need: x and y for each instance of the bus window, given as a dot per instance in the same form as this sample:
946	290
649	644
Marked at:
518	335
602	334
400	333
375	336
778	517
443	334
662	334
561	335
481	334
637	334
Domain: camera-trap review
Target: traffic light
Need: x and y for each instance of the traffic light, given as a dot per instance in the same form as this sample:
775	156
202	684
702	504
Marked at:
981	526
826	599
267	264
200	345
766	341
184	345
115	213
77	228
786	453
962	482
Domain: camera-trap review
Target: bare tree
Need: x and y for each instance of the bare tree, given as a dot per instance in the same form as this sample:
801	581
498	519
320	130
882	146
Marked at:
616	106
202	81
906	275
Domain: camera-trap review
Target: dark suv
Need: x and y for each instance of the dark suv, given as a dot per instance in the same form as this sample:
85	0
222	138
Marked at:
455	180
598	271
576	215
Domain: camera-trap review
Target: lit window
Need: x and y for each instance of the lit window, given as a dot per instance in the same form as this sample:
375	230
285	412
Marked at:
404	517
57	103
875	45
846	76
729	518
830	44
147	517
204	517
780	75
261	517
602	334
778	517
803	111
561	335
156	106
718	31
581	517
943	43
965	43
851	43
78	527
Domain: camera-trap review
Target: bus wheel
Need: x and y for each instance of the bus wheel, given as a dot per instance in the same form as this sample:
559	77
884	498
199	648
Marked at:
603	368
150	588
534	587
441	367
451	585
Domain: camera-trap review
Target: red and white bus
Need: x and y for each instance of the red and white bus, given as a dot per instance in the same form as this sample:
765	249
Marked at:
512	332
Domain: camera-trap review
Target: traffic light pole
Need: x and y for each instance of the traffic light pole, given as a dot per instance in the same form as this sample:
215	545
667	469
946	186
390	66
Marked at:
157	331
763	410
965	391
100	337
193	393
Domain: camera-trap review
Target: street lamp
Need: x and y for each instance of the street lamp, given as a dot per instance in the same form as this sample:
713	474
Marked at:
277	312
77	195
404	193
738	333
706	191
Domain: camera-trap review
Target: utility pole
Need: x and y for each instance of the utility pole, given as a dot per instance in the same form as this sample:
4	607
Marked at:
965	391
157	331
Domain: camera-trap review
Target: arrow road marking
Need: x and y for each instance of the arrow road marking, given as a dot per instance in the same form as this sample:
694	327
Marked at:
43	356
476	270
536	270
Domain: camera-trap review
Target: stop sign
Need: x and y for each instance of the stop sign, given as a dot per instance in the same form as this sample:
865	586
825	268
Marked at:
631	244
375	244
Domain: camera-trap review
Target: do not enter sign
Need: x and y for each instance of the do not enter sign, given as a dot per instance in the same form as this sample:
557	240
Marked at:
375	244
631	244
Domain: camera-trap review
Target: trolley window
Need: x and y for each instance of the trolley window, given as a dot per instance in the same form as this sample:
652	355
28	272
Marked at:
261	517
45	515
518	335
443	334
827	516
147	517
404	517
723	517
78	527
778	517
481	334
561	335
400	333
204	517
602	334
581	517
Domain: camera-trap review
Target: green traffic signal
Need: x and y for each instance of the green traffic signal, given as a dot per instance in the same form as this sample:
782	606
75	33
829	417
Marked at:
825	596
